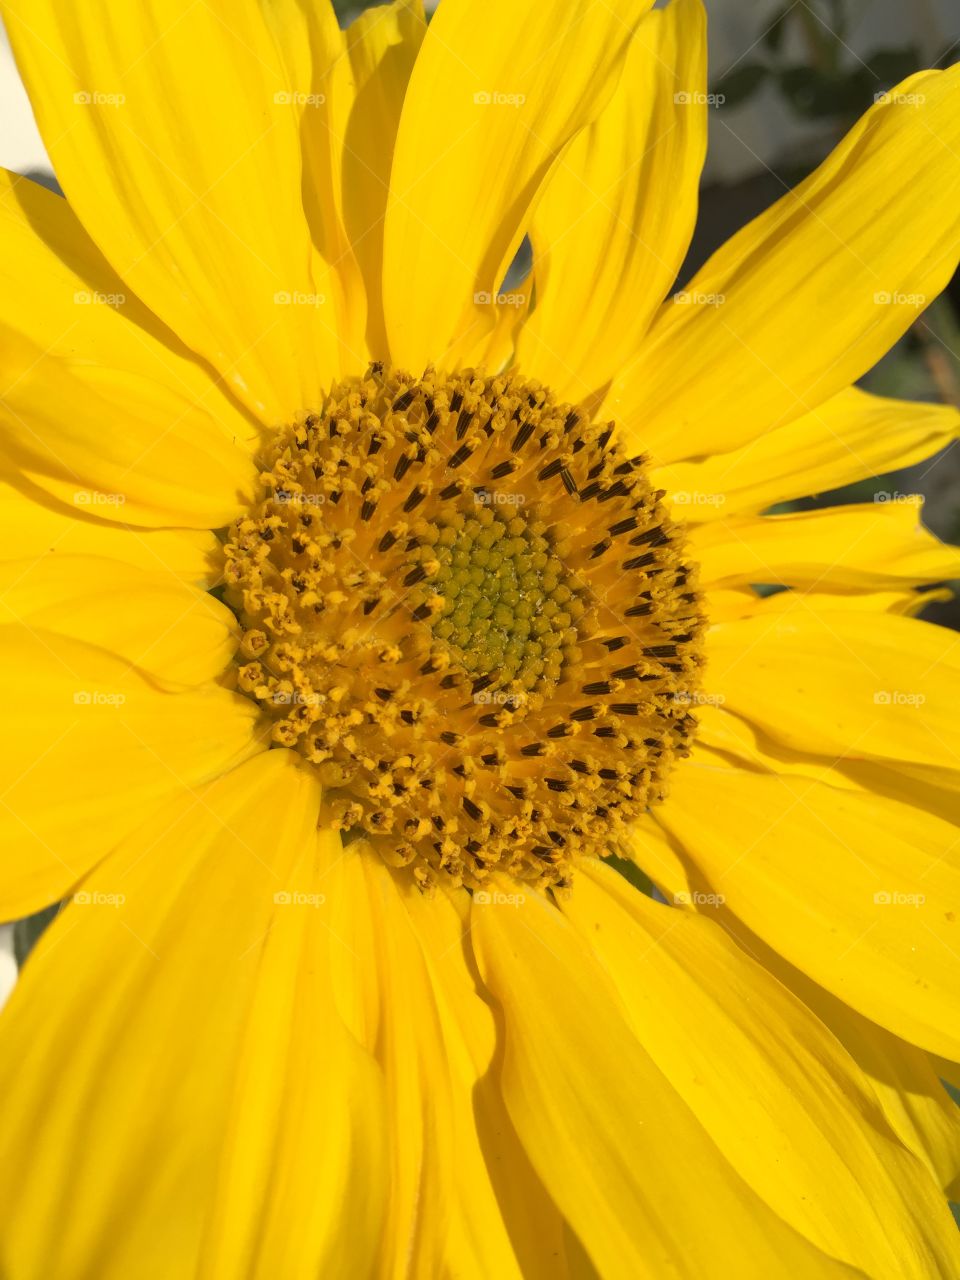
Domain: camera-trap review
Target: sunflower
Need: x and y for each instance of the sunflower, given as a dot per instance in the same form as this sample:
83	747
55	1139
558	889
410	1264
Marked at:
374	629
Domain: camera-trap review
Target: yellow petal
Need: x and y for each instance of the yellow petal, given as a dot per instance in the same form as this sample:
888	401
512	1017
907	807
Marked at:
745	744
497	349
61	293
32	525
323	95
768	1081
178	633
176	141
853	547
647	845
302	1180
91	745
921	1112
113	449
203	1057
812	604
393	1012
498	90
848	684
399	957
503	1222
851	436
727	738
605	1131
807	297
904	1078
615	217
860	892
381	48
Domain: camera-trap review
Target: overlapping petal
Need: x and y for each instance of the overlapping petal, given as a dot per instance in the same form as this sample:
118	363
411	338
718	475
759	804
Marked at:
616	214
767	1080
140	454
212	1097
858	891
34	526
60	292
92	744
518	81
852	436
843	684
197	206
615	1156
842	549
847	258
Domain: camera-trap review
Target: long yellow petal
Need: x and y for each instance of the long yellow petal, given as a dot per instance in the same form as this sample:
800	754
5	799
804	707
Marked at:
499	89
723	731
616	214
323	94
178	633
138	454
176	140
503	1223
844	684
203	1058
861	547
91	745
770	1084
610	1138
904	1078
60	292
851	436
400	1026
807	297
381	48
860	892
302	1181
35	526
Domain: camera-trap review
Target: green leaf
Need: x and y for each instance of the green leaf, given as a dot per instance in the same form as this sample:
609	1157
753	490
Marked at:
818	95
773	36
740	84
838	19
890	66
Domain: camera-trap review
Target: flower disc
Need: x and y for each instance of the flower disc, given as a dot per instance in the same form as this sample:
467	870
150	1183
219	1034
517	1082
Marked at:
471	613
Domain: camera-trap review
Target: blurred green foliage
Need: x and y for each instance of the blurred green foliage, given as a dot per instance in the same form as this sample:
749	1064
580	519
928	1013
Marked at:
829	82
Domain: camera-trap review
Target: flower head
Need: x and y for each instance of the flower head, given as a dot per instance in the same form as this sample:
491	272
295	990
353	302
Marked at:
375	628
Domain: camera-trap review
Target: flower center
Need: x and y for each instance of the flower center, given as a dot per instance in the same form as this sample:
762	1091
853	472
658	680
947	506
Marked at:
469	611
506	603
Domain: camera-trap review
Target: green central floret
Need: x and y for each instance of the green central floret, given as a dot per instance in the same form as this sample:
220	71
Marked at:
505	602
